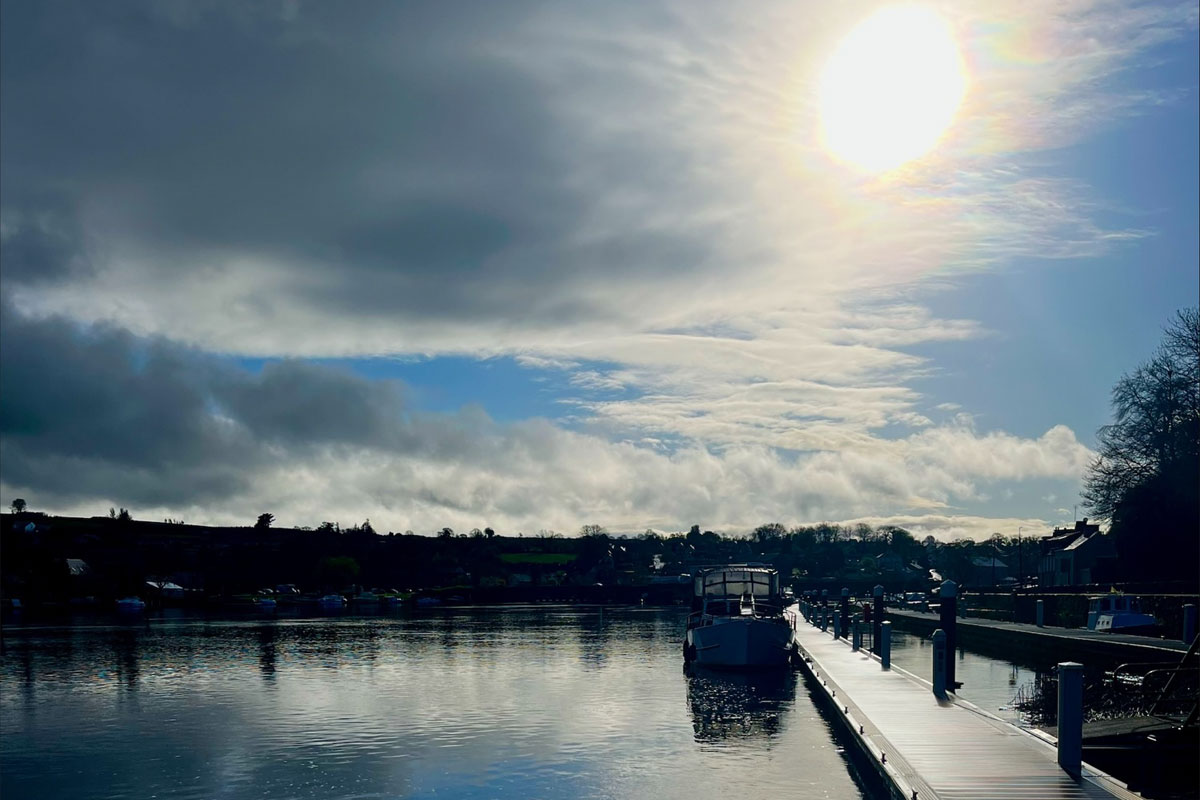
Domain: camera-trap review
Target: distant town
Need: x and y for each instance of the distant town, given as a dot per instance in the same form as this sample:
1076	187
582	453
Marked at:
57	564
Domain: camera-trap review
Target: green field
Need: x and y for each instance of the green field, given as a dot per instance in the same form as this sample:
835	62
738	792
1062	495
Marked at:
538	558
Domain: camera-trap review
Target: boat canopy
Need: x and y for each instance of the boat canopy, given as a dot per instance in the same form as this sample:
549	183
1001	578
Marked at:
735	582
1115	602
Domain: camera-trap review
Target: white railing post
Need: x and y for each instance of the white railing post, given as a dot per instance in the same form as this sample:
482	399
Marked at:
885	645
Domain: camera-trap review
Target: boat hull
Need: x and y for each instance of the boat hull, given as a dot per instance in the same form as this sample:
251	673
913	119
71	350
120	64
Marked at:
742	642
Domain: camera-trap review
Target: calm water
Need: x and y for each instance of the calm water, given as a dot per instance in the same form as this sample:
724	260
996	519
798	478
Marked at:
539	703
988	682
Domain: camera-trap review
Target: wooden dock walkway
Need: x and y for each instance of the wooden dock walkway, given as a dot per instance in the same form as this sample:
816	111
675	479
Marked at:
936	749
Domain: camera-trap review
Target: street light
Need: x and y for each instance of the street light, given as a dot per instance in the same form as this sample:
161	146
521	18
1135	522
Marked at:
1020	571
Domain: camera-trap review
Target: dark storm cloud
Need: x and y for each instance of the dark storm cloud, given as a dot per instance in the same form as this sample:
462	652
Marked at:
41	241
100	413
297	404
384	152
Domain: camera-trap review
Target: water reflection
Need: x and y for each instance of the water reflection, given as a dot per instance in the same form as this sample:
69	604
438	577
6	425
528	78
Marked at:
125	656
266	652
469	703
738	705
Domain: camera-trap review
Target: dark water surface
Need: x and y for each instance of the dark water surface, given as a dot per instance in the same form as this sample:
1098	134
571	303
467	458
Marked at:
472	703
990	683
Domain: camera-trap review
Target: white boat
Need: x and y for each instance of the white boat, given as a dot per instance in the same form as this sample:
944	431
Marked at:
131	605
737	619
332	602
1118	613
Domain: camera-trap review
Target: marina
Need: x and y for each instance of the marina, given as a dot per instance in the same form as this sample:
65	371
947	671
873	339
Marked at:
928	746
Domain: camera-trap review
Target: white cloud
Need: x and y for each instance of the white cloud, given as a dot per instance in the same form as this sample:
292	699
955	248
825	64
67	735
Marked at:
629	186
949	528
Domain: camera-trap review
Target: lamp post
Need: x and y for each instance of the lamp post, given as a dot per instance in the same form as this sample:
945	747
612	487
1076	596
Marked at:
1020	571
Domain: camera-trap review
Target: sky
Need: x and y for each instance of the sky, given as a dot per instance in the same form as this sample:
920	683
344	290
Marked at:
538	265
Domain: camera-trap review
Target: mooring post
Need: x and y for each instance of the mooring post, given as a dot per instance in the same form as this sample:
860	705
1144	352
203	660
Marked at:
949	621
885	645
939	662
824	609
877	618
1189	623
844	612
1041	613
1070	717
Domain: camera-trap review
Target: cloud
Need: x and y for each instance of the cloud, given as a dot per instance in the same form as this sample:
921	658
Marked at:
633	194
97	417
519	179
948	528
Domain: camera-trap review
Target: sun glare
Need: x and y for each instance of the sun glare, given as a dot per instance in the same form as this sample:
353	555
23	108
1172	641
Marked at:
891	89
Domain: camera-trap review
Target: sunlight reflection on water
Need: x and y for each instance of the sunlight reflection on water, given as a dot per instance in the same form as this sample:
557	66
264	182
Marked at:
534	702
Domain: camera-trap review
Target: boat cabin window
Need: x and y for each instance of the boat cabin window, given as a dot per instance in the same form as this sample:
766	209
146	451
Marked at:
736	584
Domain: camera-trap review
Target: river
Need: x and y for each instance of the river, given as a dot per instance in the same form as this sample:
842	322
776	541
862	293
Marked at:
534	702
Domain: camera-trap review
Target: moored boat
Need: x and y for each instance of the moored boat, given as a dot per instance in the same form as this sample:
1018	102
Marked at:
737	619
332	602
1119	613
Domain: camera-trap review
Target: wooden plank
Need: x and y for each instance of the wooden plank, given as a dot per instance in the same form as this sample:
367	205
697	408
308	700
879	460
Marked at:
945	749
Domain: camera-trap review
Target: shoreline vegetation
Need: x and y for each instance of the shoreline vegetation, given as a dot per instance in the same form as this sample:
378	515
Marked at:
63	563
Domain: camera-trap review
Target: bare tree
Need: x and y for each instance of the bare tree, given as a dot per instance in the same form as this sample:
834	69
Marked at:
1156	421
1146	476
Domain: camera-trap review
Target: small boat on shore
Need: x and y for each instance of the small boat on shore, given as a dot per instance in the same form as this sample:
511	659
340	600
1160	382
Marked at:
1119	613
737	619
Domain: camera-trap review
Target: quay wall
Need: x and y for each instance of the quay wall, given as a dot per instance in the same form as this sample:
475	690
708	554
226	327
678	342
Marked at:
1047	645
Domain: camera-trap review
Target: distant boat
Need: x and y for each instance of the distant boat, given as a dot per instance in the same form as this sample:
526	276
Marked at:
332	602
265	603
737	619
425	602
1119	613
131	605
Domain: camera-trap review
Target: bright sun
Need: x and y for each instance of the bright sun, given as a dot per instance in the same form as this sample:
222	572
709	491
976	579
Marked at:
891	89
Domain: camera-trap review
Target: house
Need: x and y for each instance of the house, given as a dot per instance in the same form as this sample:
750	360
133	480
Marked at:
165	589
1074	556
887	562
988	571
